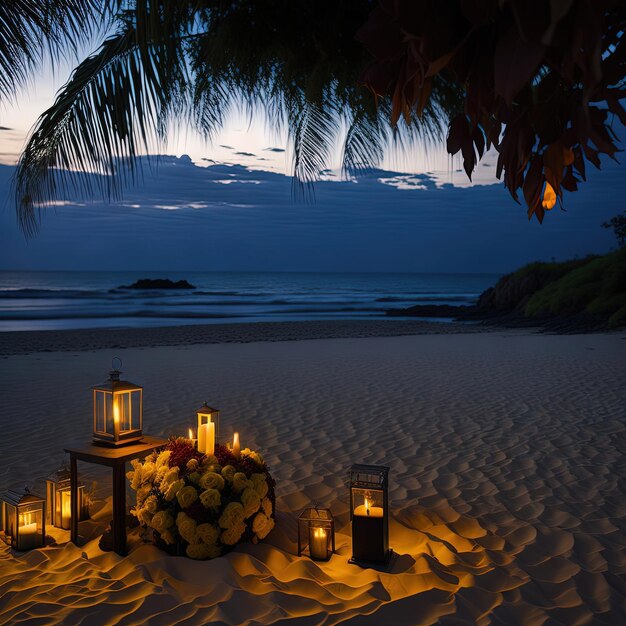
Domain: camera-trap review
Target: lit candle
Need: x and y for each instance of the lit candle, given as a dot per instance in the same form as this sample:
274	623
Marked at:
116	419
210	438
191	438
236	446
202	437
65	509
318	543
367	509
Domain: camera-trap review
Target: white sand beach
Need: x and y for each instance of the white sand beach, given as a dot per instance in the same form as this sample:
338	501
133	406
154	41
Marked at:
508	479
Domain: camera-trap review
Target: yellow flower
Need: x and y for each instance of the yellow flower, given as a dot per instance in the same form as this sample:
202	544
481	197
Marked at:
232	515
203	551
260	484
208	533
151	504
262	525
251	501
147	472
161	521
233	534
171	484
210	498
172	489
211	480
240	482
143	515
255	456
192	465
228	471
194	478
187	496
163	459
187	527
142	493
266	504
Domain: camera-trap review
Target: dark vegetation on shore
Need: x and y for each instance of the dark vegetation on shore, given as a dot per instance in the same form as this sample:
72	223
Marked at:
578	295
158	283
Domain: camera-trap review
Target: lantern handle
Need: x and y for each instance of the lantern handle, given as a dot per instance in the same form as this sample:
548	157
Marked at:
116	358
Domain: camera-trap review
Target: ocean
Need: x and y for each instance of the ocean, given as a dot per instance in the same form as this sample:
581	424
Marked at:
65	300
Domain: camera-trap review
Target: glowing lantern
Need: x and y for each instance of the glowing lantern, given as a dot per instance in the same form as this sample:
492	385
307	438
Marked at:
206	415
117	410
208	428
369	514
316	529
24	519
58	500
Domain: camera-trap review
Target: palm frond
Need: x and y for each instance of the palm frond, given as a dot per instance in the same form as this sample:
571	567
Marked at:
111	110
28	28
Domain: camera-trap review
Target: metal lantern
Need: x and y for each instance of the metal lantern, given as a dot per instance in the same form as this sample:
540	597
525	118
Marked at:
316	530
117	410
369	514
58	499
206	415
24	519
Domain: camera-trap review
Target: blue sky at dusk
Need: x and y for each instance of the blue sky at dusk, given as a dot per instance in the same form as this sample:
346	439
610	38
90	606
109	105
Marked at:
230	207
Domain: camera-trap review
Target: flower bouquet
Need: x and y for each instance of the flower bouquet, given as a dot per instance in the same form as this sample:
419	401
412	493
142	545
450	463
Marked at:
203	505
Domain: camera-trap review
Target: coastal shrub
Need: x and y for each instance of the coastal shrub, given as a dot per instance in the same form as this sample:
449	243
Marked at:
598	287
203	505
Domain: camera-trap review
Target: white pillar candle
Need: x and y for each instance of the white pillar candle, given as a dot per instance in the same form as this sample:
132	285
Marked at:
210	438
318	543
28	537
236	446
202	437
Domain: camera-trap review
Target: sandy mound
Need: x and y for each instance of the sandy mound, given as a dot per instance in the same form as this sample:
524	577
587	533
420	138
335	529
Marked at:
507	480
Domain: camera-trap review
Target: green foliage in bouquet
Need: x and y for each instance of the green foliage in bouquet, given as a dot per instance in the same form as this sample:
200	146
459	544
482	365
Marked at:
203	505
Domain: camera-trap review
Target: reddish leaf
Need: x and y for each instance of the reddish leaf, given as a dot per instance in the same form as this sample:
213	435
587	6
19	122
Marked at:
533	184
515	63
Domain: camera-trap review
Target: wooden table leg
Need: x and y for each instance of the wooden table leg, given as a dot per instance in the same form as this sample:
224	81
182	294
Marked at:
119	508
73	499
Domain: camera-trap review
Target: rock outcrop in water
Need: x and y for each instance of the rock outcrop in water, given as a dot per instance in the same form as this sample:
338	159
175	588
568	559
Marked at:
158	283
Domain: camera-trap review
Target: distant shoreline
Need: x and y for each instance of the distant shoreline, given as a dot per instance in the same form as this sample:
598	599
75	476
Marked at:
27	342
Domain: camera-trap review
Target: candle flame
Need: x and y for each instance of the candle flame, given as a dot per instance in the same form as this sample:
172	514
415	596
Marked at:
319	533
190	434
116	414
368	505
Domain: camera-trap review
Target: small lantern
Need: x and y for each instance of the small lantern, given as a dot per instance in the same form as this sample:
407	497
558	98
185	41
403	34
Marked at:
58	500
24	519
117	410
369	514
207	415
316	529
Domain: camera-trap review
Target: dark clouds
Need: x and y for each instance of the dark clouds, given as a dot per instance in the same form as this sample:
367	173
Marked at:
230	218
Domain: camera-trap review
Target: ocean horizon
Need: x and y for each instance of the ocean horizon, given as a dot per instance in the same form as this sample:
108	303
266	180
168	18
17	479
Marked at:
58	300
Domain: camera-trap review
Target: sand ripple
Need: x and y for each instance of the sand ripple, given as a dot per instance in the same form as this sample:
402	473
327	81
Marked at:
508	494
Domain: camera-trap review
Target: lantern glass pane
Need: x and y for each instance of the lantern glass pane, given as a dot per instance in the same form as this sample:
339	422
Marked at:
9	520
135	410
367	502
100	411
108	412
